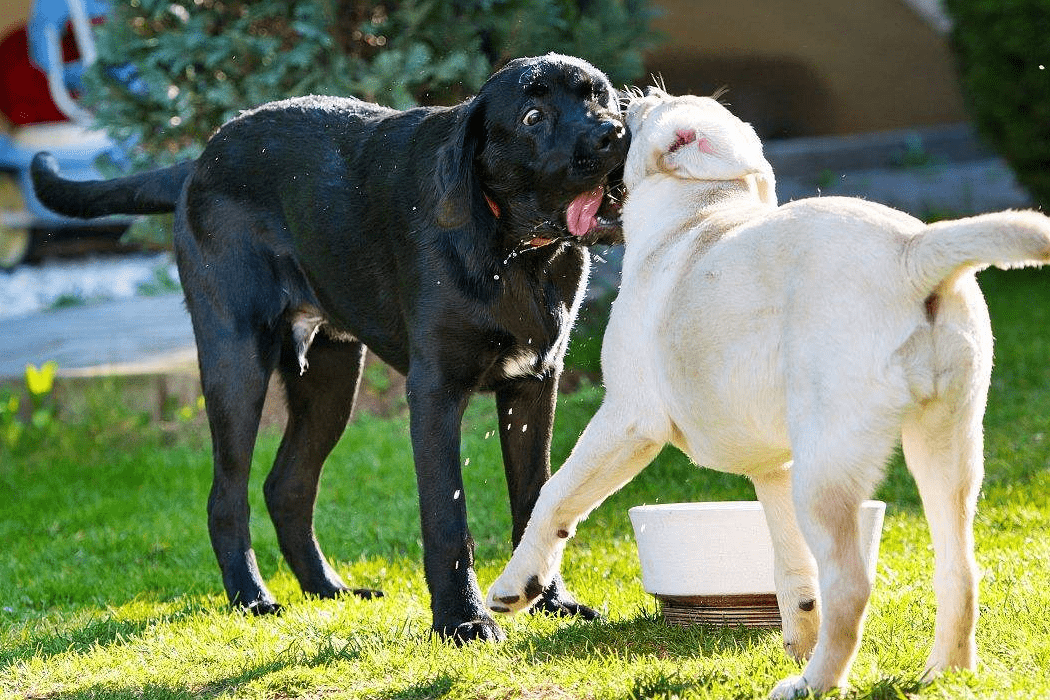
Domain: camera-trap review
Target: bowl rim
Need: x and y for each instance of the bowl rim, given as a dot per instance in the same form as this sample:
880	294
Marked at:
699	506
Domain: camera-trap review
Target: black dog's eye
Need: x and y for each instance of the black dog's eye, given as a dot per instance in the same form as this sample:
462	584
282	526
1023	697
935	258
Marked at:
532	117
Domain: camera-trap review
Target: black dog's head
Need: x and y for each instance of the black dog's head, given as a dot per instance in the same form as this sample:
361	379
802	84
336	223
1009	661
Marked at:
541	147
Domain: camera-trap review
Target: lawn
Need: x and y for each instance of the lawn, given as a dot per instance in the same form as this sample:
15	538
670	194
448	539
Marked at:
109	589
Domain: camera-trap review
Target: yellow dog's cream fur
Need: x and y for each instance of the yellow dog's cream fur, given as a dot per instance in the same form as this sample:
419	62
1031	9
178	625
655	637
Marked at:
795	345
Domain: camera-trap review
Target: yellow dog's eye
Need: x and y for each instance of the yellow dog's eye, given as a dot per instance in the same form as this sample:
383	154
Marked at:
532	117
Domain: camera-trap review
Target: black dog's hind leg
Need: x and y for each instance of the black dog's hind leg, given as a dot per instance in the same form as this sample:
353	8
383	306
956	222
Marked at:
436	408
320	401
525	410
235	369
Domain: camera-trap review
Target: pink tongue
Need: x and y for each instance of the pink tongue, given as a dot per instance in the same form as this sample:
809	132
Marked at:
581	212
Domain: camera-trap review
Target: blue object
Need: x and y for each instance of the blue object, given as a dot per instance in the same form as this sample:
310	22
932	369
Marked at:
46	25
47	19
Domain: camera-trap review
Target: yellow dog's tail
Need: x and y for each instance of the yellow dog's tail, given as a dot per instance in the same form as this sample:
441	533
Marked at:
1004	239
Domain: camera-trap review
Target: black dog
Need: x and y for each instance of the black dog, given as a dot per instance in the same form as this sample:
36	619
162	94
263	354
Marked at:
446	240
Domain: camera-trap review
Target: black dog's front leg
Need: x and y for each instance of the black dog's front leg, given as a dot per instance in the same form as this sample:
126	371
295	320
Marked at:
526	422
436	410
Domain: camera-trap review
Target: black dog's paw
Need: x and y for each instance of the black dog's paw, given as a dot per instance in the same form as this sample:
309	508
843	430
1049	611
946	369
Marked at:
564	606
331	588
366	593
332	592
261	607
506	597
557	600
483	629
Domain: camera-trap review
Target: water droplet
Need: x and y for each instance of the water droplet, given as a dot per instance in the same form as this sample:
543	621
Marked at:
510	411
524	427
495	277
455	496
466	463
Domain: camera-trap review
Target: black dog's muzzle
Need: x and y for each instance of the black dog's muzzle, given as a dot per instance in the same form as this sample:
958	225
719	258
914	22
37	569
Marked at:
600	149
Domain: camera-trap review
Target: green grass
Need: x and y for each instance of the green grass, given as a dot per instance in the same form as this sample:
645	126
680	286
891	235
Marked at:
109	589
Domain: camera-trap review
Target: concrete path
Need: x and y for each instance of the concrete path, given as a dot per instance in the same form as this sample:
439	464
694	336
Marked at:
939	172
143	335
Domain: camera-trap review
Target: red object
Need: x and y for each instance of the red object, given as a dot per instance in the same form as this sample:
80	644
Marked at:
24	95
492	205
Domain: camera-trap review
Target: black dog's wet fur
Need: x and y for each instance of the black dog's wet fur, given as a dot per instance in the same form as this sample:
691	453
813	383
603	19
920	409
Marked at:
377	220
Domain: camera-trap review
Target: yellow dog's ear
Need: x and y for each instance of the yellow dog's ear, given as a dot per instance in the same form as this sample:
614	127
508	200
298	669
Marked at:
756	170
766	187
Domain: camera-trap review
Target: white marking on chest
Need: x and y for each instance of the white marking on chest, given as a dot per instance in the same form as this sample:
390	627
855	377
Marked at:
521	363
306	322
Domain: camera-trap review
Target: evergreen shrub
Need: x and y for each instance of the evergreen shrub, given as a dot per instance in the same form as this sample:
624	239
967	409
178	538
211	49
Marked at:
1003	52
171	71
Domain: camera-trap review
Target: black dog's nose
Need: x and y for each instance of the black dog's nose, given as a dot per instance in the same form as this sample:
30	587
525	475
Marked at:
600	147
606	136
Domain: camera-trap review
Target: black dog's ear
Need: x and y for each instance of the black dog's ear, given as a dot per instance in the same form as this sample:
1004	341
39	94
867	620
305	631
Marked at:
456	179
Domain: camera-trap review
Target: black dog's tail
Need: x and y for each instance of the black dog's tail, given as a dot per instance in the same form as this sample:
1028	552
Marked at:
153	192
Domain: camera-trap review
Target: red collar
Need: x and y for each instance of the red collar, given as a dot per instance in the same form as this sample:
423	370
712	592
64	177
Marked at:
535	242
492	205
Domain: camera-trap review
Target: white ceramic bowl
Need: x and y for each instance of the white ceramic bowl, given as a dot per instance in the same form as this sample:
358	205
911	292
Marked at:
718	555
